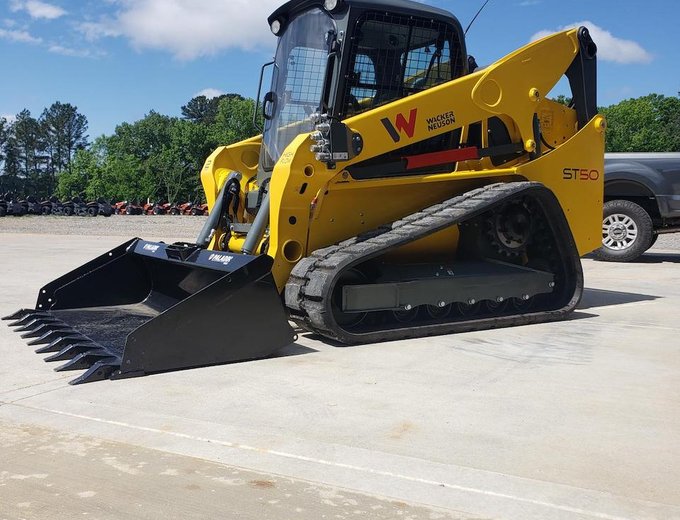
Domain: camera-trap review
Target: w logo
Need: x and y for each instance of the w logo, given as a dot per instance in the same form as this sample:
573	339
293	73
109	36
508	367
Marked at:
401	125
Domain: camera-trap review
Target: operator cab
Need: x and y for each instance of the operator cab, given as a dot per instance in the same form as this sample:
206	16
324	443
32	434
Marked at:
344	57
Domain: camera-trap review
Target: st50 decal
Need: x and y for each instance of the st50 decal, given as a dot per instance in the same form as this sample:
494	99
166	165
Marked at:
580	174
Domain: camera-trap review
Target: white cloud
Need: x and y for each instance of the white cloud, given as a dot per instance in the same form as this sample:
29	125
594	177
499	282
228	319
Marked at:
37	9
609	47
10	118
18	36
210	93
189	28
69	51
96	30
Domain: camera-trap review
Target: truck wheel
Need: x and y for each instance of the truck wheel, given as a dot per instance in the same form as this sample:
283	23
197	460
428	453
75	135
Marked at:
627	232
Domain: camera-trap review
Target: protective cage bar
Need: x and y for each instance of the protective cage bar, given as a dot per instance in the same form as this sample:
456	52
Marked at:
394	55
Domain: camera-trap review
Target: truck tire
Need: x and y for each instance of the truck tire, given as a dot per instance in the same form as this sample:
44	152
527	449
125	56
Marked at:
627	232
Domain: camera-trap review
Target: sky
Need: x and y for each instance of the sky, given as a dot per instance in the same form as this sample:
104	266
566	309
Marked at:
116	60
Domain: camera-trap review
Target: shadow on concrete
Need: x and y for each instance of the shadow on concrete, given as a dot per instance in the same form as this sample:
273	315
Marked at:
576	315
603	298
294	349
547	347
579	315
543	347
658	258
318	337
647	258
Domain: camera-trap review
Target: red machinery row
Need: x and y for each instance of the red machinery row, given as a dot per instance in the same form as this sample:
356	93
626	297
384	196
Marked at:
159	208
11	205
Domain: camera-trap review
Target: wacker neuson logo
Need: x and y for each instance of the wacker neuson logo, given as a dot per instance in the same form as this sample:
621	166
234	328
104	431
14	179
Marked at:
401	124
440	121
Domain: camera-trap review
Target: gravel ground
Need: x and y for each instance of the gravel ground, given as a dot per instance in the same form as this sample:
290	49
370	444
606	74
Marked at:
159	227
150	227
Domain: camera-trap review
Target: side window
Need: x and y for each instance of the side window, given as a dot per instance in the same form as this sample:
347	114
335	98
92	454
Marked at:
302	89
427	66
392	56
362	85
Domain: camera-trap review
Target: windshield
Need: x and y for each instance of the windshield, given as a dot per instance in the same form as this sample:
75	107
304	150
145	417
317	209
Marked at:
297	81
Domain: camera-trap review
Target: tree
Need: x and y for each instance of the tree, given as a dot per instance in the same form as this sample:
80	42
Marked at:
646	124
4	127
93	163
28	148
203	110
4	132
234	121
85	174
6	182
64	131
10	180
160	153
181	161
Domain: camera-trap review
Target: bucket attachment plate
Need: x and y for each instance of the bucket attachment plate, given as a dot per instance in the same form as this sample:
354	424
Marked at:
150	307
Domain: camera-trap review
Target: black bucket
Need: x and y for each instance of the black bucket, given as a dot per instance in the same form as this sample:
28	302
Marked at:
150	307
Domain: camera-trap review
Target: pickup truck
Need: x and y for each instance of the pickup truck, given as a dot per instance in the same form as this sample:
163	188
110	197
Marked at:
641	201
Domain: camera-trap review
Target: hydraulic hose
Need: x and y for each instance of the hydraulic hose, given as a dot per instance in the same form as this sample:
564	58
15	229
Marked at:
221	206
258	228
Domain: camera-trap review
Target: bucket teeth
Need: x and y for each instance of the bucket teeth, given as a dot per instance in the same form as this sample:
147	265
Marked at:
65	344
97	372
23	317
35	323
18	314
50	336
70	352
42	330
60	343
85	360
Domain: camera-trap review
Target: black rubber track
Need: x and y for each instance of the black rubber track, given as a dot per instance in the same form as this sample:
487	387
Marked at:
312	281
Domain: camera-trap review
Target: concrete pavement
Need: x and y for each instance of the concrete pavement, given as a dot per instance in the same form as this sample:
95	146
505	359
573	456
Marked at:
577	419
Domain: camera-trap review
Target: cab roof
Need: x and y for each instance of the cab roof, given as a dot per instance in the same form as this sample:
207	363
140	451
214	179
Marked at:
408	7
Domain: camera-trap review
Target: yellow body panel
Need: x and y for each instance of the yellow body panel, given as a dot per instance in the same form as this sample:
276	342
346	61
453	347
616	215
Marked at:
313	206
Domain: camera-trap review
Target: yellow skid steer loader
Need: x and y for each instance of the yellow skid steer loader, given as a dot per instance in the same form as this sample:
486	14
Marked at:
396	191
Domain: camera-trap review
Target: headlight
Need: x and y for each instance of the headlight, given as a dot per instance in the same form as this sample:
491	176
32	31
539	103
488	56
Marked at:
329	5
276	27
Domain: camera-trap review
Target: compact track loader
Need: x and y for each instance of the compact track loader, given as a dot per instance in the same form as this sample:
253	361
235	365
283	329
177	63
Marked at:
396	191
